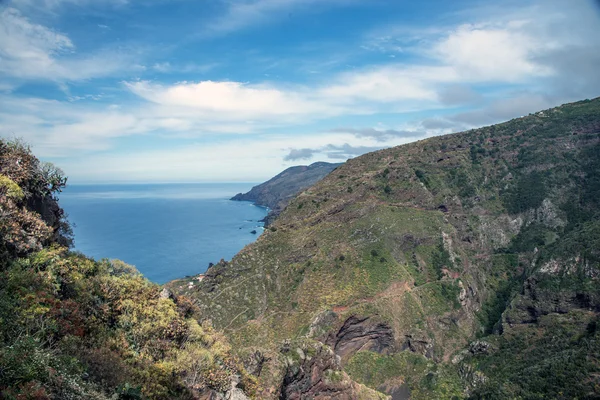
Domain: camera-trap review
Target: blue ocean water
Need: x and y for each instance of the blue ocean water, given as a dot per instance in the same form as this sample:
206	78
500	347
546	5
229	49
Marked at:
167	231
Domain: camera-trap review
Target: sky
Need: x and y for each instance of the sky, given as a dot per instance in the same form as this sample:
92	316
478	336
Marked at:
238	90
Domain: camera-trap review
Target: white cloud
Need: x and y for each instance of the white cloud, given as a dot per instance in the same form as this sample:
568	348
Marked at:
33	51
57	128
27	42
515	105
484	53
509	51
167	68
389	84
162	67
6	86
459	95
231	100
545	61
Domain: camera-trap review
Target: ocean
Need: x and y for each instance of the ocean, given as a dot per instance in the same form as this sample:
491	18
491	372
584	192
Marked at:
167	231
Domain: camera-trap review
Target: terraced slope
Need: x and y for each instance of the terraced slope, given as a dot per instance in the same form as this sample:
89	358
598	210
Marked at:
400	259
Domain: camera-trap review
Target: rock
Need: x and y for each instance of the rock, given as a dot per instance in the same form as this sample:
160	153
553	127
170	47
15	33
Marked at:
235	394
319	376
480	347
255	362
166	294
419	346
321	324
537	300
361	333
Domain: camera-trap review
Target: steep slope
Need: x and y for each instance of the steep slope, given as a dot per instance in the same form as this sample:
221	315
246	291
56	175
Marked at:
279	190
400	258
75	328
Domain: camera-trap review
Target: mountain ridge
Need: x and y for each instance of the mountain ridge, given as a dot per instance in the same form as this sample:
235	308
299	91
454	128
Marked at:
276	192
411	253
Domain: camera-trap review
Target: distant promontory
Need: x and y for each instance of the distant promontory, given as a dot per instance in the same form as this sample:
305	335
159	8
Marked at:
279	190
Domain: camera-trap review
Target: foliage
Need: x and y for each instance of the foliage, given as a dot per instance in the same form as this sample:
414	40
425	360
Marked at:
30	217
527	193
75	328
491	232
64	315
424	378
440	240
556	359
10	188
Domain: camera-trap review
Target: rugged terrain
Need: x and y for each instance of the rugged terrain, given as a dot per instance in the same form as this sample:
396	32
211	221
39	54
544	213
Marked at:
75	328
461	266
279	190
464	265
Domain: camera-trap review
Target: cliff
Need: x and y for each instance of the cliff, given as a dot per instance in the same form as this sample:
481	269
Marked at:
431	268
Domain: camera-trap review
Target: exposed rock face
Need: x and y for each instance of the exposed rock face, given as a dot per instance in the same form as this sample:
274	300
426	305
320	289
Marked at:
255	362
277	191
361	333
480	347
322	324
419	346
314	372
537	300
233	394
166	294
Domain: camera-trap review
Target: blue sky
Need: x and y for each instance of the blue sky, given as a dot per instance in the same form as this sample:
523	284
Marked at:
237	90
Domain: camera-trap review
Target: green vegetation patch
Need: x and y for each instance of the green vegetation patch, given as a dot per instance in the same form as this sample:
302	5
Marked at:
439	297
424	378
528	192
12	189
557	359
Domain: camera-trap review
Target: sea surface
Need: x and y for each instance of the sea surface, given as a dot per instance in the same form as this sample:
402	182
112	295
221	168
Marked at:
167	231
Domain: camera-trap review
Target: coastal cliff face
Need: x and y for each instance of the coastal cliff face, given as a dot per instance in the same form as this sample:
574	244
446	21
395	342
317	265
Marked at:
279	190
462	265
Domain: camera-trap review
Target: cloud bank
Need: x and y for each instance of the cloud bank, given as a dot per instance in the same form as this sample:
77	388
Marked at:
484	68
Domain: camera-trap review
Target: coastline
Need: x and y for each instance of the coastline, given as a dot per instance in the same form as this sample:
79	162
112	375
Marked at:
166	231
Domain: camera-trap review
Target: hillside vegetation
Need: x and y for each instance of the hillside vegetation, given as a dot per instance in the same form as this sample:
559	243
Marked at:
461	266
75	328
465	265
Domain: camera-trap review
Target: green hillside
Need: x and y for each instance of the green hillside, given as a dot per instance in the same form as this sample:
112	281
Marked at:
461	265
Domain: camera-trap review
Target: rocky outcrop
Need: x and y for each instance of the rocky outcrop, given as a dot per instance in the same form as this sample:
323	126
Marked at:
418	345
538	298
361	333
313	371
254	363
